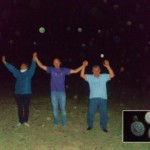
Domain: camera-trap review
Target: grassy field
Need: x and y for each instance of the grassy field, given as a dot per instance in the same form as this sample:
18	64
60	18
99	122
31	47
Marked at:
43	136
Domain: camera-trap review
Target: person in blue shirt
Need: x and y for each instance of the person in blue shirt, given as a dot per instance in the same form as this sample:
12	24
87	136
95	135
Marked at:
23	89
57	84
98	93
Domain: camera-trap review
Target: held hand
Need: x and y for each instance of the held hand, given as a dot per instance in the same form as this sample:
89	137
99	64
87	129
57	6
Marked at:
85	63
106	63
4	59
34	55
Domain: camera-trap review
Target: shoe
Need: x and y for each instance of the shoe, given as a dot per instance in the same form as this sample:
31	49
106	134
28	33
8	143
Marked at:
105	130
19	124
26	124
89	128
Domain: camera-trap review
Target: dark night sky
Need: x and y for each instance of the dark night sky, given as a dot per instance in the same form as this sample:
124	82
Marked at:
78	30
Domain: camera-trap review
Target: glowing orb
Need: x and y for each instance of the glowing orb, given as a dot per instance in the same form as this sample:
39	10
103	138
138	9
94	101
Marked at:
147	117
42	30
137	128
102	55
79	29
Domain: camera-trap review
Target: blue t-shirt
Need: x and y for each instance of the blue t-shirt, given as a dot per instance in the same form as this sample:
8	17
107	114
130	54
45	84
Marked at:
98	85
58	78
23	79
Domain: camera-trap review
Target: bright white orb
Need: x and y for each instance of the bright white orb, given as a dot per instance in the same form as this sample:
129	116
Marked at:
102	55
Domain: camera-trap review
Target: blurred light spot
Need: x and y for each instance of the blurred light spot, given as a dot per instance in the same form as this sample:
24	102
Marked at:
83	45
115	7
75	96
68	28
42	30
102	55
34	43
105	1
11	42
122	69
99	31
79	29
129	23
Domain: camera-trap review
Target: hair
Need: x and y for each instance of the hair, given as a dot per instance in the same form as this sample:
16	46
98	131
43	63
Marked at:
95	66
57	59
25	64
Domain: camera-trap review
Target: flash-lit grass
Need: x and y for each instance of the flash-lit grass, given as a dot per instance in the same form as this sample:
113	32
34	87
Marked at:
43	136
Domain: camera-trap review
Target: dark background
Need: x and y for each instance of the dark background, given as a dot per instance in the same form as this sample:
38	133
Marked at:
118	29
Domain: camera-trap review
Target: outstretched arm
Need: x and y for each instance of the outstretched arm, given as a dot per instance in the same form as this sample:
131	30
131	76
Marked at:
82	74
39	62
107	65
10	67
73	71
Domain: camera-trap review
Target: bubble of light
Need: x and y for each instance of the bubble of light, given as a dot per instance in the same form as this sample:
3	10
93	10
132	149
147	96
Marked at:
79	29
122	69
102	55
75	96
34	43
115	6
137	128
99	31
11	42
68	28
129	23
83	45
147	117
42	30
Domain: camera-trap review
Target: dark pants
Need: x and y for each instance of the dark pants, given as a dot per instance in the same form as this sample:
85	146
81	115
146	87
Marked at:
100	105
23	102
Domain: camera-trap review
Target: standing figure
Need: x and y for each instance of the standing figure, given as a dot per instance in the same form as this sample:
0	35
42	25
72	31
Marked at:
98	93
23	88
57	84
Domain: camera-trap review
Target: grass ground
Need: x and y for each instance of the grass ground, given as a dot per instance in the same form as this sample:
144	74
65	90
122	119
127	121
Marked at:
43	136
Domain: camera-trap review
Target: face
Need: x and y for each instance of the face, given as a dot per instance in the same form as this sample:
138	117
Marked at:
96	71
23	66
56	63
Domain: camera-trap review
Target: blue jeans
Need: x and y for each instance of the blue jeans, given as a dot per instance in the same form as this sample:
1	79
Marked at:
100	105
58	99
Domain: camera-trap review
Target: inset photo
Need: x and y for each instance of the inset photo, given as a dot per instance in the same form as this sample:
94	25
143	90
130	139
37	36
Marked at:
136	126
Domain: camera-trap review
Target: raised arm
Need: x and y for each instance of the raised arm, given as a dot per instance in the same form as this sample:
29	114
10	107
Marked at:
4	60
107	65
73	71
10	67
33	66
82	74
39	63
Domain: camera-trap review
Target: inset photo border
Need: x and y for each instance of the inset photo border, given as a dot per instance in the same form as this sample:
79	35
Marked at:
136	126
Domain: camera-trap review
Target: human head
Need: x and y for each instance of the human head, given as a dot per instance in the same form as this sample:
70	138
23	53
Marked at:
56	63
24	66
96	70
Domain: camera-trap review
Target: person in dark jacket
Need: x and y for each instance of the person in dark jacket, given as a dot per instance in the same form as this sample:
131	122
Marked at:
23	88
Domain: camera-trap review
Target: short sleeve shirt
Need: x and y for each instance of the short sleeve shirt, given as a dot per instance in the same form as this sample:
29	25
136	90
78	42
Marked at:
58	78
98	85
